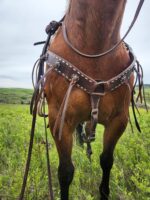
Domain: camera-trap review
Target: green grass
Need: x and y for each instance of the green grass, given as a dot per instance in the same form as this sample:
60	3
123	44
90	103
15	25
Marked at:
23	96
130	176
147	94
15	96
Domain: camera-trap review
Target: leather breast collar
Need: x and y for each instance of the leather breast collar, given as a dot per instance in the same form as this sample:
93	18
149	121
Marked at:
77	78
94	88
86	83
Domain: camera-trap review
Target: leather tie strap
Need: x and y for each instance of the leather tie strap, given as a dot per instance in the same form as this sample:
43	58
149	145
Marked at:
94	114
63	108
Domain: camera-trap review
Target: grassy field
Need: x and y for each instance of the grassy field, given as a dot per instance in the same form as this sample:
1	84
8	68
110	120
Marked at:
15	95
147	93
23	96
130	176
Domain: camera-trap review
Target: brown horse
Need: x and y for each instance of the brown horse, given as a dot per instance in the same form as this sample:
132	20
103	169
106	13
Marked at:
92	26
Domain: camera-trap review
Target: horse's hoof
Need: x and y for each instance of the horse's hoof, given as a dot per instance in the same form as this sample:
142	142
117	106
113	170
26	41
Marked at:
104	196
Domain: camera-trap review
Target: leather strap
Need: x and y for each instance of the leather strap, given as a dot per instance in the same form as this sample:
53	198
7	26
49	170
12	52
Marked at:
109	50
94	114
86	83
65	105
96	89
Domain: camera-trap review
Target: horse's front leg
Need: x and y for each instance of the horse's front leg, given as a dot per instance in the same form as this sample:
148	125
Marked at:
66	168
112	133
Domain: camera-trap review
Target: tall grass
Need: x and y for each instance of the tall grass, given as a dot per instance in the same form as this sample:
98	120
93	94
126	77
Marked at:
130	176
15	95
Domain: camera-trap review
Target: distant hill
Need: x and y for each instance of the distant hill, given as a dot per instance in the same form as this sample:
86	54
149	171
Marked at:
23	96
147	85
15	96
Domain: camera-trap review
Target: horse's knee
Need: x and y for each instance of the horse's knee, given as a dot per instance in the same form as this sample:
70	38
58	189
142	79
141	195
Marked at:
65	174
106	161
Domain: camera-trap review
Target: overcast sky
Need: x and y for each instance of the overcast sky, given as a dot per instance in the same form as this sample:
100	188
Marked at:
23	22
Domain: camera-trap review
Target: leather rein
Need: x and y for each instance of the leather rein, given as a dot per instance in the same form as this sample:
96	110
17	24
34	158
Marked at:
65	35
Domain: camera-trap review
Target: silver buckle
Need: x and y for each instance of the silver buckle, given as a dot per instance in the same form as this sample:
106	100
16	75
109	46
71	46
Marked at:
100	93
94	111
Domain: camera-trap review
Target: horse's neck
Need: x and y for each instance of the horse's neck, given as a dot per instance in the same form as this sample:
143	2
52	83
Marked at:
94	25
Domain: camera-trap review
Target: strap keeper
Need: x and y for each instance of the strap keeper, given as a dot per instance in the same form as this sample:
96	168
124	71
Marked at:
94	111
